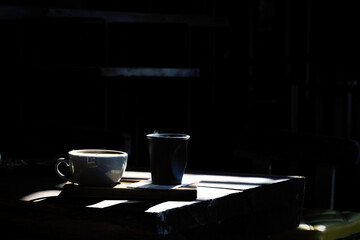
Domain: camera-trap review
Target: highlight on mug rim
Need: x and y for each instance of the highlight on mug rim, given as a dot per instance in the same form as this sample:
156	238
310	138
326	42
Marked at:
97	153
168	135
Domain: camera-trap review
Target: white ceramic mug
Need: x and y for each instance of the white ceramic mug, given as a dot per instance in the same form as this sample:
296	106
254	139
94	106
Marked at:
94	167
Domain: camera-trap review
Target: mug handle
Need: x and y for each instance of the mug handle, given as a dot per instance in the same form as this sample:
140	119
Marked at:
60	174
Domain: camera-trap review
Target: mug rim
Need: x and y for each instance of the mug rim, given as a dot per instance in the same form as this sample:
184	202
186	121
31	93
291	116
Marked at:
168	135
91	150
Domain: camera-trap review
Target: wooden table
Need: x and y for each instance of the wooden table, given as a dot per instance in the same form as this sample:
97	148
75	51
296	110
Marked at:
227	205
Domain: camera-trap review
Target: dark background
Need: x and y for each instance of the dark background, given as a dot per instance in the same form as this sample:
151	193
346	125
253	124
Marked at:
265	65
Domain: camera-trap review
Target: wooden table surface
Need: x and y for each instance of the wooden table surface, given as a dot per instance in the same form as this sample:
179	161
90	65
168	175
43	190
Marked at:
227	205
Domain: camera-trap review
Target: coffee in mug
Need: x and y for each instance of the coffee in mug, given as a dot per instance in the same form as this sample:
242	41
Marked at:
94	167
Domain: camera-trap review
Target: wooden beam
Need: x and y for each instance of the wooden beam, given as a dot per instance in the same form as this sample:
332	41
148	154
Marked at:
149	72
18	12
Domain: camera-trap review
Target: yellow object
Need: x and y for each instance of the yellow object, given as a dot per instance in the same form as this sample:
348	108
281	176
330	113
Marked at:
324	224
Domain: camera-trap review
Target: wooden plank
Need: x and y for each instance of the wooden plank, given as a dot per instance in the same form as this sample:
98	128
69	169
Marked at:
44	220
121	71
150	72
122	191
109	16
18	12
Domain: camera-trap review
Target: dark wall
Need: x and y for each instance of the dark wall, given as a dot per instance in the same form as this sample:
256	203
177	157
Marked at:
263	65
